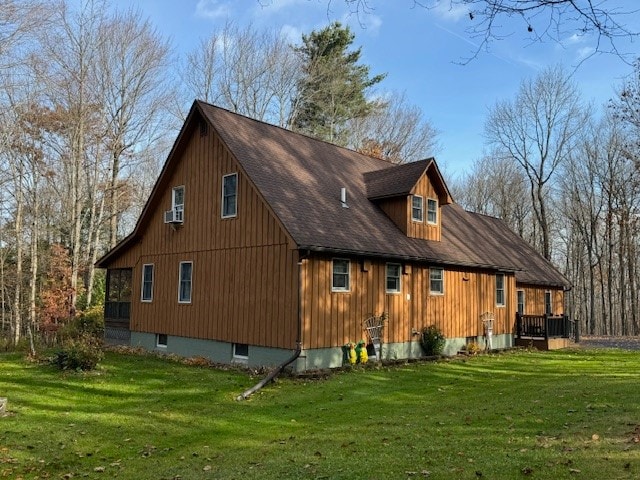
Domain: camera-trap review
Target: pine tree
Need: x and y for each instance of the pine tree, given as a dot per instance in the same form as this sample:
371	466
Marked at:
334	86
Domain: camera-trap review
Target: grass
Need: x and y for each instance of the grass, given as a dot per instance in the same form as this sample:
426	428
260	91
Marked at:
555	415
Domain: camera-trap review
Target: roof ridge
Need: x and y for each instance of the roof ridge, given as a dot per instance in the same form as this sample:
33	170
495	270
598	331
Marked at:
305	135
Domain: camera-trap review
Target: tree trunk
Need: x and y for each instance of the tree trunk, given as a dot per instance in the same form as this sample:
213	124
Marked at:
17	298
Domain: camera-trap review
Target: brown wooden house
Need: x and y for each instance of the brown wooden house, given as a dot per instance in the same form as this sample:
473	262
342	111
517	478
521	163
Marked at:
257	243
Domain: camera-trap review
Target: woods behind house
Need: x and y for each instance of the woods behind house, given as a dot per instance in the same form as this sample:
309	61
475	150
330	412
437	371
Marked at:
92	96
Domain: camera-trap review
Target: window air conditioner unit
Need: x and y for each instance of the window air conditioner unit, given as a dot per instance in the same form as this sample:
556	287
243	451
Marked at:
173	216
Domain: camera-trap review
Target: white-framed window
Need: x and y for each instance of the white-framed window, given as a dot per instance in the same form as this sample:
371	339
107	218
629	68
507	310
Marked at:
161	340
521	304
340	273
241	351
177	203
548	309
184	283
432	211
436	281
500	297
230	195
394	272
417	213
146	291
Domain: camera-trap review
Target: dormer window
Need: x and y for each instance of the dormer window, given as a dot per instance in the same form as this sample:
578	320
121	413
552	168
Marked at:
230	195
432	211
417	213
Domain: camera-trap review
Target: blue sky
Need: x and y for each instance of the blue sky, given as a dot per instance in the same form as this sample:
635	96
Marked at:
420	50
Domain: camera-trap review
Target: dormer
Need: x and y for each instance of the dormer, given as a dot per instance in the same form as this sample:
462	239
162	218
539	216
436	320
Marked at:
412	196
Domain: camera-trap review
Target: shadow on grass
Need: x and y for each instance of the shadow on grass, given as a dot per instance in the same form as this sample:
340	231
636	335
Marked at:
498	415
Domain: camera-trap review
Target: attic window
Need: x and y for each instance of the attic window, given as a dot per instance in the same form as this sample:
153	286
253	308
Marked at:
230	195
417	213
432	211
176	214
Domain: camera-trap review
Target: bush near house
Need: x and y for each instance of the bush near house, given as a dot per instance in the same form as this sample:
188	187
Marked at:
432	340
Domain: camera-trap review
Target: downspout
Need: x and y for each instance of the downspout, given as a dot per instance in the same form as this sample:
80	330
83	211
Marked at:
278	370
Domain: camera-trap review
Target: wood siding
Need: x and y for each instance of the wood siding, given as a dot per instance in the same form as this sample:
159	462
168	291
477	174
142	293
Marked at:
334	318
534	300
398	209
424	229
245	277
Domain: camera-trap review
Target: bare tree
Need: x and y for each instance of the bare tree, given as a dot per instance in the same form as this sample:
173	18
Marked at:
71	47
395	130
248	71
496	186
132	59
538	129
540	20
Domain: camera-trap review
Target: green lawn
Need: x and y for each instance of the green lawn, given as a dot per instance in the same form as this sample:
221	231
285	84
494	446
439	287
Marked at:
564	414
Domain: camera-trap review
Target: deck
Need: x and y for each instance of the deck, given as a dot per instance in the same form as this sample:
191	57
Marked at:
544	332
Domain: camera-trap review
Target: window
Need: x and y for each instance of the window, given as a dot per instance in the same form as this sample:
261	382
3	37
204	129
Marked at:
241	350
340	277
416	208
520	302
393	277
184	287
177	203
161	340
500	290
432	211
146	294
230	195
547	303
436	281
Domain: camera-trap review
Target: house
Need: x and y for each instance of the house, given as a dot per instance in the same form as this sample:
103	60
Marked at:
257	243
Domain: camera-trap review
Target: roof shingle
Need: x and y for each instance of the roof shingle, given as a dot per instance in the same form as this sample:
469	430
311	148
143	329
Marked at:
300	178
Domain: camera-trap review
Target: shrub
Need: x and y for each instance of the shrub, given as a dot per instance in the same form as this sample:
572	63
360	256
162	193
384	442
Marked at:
89	322
432	340
81	353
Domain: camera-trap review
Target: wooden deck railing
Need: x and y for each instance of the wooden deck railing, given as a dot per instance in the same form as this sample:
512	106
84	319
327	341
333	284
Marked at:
543	326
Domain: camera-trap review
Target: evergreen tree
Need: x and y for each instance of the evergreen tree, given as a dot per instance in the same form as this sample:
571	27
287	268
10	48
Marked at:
333	88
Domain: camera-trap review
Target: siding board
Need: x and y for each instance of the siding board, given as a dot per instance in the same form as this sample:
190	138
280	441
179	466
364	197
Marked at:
244	285
468	294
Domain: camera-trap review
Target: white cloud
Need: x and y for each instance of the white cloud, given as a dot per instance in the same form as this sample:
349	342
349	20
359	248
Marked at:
575	39
212	9
585	52
445	10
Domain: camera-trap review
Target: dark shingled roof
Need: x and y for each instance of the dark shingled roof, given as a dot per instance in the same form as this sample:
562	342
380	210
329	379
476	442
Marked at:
301	178
399	180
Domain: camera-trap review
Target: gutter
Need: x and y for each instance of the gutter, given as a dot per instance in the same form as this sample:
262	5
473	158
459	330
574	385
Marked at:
410	258
278	370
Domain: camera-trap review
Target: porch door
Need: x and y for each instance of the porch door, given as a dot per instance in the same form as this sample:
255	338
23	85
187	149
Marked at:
117	306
